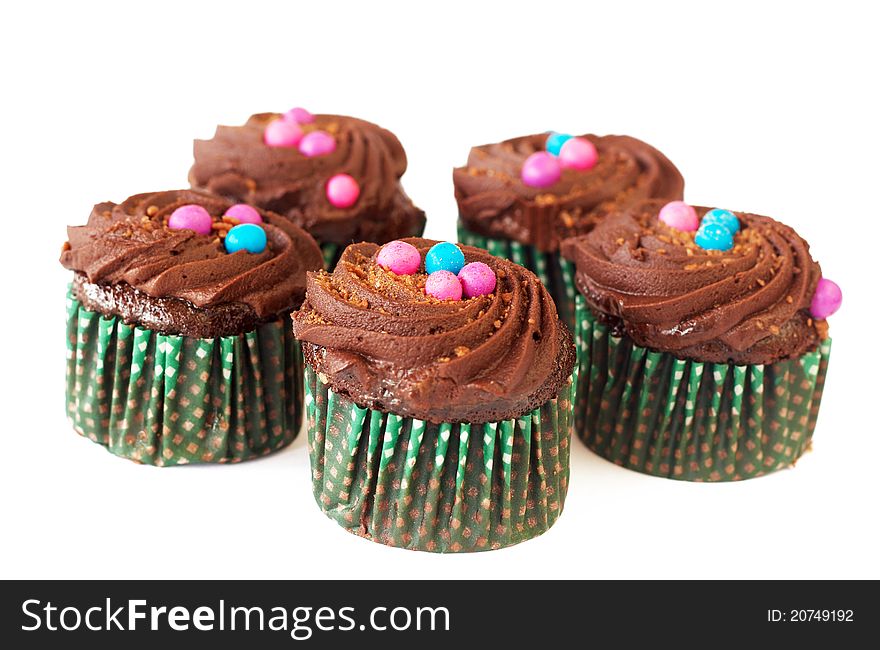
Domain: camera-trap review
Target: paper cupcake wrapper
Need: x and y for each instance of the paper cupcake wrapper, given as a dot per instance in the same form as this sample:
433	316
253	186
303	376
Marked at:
653	413
553	270
451	487
170	400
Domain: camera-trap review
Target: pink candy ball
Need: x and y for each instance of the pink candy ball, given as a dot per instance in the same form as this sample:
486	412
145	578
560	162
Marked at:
282	133
477	279
244	213
399	258
578	153
299	115
680	215
826	300
317	143
342	191
443	285
541	169
191	217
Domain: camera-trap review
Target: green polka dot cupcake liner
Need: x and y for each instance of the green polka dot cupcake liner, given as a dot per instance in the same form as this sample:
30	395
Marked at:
653	413
554	271
162	399
445	488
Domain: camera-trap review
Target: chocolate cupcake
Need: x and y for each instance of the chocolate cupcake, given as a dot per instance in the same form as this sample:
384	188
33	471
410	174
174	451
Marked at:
178	332
439	413
520	198
702	341
336	177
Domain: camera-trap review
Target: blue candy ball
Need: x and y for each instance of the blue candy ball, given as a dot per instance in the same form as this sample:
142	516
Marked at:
245	237
722	217
444	257
714	237
555	142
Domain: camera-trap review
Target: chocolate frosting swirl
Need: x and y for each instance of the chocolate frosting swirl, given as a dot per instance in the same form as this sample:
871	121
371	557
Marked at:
493	201
129	263
236	163
377	338
749	305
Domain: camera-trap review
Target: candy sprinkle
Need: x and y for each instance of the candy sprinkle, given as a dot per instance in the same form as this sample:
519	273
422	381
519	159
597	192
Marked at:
282	133
443	285
399	257
722	217
541	170
191	217
247	237
477	279
444	256
342	191
826	300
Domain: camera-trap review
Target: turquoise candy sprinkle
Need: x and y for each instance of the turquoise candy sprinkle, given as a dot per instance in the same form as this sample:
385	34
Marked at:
721	217
246	236
714	237
555	142
444	257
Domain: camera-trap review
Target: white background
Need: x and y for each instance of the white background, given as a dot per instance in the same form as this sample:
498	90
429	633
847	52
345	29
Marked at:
767	107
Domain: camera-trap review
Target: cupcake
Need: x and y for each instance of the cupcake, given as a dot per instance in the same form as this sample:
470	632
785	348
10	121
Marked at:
520	198
178	330
702	341
336	177
438	396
